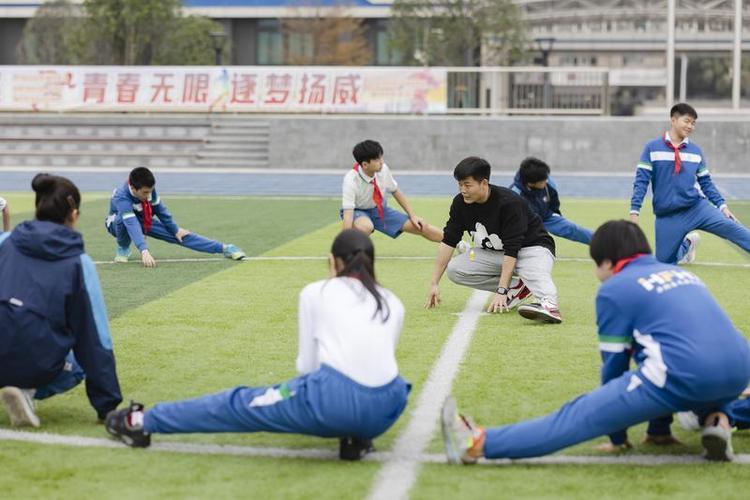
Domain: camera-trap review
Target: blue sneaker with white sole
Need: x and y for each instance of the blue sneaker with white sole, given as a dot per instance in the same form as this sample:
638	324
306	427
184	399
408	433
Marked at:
234	253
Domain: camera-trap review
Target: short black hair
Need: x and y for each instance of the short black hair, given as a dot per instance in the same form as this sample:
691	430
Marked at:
474	167
366	151
533	170
141	177
681	109
616	240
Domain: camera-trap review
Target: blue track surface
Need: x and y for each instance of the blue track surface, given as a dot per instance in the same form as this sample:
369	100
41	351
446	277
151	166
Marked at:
318	184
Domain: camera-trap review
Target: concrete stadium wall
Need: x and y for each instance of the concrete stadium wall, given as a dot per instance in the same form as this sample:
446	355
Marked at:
568	144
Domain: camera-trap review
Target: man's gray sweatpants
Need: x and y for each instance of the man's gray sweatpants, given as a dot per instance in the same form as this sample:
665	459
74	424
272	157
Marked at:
480	268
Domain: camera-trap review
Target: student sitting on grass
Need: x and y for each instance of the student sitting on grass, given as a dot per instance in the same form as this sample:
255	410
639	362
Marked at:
364	205
53	323
131	218
349	386
688	356
534	183
5	209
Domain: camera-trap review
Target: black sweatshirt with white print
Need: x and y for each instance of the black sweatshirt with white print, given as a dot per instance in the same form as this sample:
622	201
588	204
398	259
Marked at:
504	222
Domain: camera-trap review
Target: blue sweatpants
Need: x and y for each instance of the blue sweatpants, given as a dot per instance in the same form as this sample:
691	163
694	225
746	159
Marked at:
739	413
562	227
607	410
71	375
671	230
192	241
324	403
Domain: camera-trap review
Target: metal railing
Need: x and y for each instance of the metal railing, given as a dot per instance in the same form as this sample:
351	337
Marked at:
528	90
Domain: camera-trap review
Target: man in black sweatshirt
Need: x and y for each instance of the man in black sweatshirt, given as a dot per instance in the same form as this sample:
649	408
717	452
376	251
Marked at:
508	239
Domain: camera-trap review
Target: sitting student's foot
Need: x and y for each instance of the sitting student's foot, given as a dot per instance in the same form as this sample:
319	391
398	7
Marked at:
464	440
122	255
517	294
354	448
661	440
716	438
693	240
540	312
127	426
232	252
19	404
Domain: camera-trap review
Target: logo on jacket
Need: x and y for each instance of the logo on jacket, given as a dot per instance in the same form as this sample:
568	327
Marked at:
482	239
667	280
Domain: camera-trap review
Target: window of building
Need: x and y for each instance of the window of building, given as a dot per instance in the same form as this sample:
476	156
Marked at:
270	42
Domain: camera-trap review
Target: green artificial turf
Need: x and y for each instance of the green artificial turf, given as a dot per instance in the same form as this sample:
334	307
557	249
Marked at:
188	328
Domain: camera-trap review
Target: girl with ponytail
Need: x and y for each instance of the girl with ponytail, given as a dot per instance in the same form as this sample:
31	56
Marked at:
349	385
53	323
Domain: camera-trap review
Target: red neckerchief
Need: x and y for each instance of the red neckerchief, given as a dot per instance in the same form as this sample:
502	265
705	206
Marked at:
624	262
377	196
676	149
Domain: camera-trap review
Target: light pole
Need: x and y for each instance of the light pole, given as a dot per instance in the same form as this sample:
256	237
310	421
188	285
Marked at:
544	45
218	38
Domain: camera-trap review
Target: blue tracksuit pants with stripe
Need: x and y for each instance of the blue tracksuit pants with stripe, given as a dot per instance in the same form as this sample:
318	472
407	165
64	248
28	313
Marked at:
562	227
192	241
617	405
323	403
671	229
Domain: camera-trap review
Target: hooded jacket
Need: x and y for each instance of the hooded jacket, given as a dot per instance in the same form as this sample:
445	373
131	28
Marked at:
545	202
51	303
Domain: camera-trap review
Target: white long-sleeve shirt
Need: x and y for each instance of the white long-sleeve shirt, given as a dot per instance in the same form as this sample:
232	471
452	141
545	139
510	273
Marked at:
337	327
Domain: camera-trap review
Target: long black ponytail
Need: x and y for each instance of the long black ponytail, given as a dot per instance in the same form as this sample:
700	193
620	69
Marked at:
56	197
357	253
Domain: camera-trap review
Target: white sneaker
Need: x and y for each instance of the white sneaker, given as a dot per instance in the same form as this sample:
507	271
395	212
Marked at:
694	239
717	443
463	247
688	421
19	404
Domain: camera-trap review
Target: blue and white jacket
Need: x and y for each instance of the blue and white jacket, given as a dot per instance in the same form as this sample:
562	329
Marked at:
545	202
50	303
685	347
127	208
672	192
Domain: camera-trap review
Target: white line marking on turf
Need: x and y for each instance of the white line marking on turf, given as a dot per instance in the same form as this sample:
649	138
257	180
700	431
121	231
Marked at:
383	257
397	476
329	454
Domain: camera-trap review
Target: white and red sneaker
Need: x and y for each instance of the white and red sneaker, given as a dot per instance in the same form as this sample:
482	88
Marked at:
541	312
517	294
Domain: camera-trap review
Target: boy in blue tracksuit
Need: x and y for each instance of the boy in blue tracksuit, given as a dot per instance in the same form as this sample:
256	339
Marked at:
131	218
678	205
534	184
53	322
687	352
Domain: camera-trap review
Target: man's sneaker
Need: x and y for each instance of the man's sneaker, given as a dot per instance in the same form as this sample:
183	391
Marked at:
717	443
127	426
353	448
463	247
693	239
462	438
122	255
516	294
234	253
688	421
539	312
19	404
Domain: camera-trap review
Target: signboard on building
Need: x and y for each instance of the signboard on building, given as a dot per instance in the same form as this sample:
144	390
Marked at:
231	89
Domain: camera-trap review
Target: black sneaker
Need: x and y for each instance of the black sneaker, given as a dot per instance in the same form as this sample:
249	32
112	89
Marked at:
127	426
353	448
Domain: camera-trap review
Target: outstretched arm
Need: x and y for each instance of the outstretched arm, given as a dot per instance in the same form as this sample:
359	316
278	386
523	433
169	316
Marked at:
441	263
640	185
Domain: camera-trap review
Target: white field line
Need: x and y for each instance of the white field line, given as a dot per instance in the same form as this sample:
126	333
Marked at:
397	476
329	454
385	257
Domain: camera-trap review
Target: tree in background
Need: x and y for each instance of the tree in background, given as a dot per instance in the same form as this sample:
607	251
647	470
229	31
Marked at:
46	36
330	37
458	32
118	32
